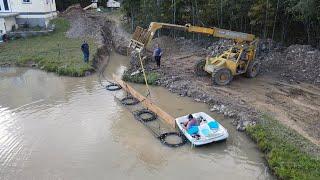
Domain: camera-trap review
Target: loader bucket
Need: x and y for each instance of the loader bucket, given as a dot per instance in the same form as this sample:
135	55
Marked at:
139	39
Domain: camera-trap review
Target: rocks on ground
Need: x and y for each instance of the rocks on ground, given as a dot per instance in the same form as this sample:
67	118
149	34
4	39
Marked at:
297	62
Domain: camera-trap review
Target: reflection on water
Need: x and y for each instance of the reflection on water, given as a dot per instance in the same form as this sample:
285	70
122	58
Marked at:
55	127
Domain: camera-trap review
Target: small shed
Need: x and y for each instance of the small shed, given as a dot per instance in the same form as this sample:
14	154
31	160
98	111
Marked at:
113	4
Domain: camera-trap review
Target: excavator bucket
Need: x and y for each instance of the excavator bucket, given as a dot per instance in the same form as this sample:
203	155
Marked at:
139	39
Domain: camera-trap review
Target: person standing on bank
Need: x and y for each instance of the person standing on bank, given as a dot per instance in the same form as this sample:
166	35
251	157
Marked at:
157	53
85	51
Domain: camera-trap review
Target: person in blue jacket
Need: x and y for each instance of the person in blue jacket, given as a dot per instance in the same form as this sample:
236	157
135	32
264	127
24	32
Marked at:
157	53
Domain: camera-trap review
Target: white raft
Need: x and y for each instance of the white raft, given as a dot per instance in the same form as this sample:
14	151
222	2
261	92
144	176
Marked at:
208	131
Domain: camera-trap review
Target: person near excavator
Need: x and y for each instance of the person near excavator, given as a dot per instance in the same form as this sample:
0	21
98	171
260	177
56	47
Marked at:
85	51
157	53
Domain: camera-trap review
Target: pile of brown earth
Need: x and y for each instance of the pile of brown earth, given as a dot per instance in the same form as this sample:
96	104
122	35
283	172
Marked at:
83	25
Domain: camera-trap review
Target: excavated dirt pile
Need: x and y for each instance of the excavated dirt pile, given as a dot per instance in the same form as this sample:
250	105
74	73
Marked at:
82	24
301	63
99	26
297	63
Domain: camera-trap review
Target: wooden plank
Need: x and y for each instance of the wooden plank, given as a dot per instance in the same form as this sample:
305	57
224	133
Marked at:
147	103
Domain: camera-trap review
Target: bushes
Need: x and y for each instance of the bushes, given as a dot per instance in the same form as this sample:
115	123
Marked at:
152	77
284	150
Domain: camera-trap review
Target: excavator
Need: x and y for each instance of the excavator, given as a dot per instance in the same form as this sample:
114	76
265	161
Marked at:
239	59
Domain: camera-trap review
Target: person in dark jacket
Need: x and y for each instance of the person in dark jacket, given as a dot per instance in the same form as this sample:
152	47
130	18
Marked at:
157	53
85	51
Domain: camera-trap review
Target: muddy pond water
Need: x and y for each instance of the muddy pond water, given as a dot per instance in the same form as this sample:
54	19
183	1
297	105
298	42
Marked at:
54	127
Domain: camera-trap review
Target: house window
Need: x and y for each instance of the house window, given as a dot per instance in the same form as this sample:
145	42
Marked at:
26	1
6	6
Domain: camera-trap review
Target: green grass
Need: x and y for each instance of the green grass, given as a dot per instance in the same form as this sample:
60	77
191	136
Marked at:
152	77
54	52
285	150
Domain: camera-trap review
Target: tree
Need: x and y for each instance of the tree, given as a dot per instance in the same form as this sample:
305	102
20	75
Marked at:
261	14
291	21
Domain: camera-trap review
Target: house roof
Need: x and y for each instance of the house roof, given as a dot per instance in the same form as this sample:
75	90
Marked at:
4	15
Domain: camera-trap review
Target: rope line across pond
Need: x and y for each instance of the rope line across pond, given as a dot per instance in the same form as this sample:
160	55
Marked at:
161	136
140	114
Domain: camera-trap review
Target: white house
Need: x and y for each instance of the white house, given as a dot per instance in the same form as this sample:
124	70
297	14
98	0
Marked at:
32	12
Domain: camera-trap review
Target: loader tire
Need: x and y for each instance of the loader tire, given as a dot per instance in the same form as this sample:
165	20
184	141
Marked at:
199	68
221	76
253	69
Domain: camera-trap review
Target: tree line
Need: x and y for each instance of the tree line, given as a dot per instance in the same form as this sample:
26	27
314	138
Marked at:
287	21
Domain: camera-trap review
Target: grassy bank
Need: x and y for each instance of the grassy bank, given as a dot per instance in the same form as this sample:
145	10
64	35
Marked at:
285	150
54	52
152	77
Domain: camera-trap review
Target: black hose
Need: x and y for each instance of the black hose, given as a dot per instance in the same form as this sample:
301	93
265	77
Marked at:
139	115
129	101
113	87
163	137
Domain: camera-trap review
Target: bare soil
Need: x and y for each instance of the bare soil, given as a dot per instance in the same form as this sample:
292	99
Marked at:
296	105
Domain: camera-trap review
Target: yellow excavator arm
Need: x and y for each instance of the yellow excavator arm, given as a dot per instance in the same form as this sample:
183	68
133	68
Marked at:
142	37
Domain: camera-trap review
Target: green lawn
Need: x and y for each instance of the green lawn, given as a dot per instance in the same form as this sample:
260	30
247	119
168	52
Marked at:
285	150
53	53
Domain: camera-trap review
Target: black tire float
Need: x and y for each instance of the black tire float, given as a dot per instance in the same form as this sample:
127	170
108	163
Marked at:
163	137
129	101
139	115
113	87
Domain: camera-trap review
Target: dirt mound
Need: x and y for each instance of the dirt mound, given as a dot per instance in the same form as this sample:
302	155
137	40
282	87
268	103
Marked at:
302	63
83	25
297	63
